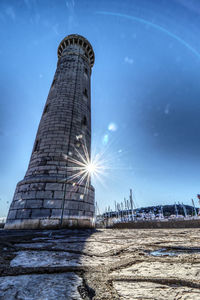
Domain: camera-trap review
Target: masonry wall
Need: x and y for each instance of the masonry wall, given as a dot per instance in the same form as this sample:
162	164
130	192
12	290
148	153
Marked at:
51	194
158	224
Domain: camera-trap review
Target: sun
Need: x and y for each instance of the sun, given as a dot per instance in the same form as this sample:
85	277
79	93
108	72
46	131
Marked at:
83	167
91	168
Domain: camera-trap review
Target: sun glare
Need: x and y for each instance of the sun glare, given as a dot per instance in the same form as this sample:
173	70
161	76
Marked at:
83	168
91	168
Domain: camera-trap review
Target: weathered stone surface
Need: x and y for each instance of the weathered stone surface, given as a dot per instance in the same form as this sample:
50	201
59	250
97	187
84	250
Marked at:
40	286
28	195
157	270
44	195
58	195
111	264
34	203
151	290
40	213
12	214
19	204
23	214
56	213
52	203
54	186
71	205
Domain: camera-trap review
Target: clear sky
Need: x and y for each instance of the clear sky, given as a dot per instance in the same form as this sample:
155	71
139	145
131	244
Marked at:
145	91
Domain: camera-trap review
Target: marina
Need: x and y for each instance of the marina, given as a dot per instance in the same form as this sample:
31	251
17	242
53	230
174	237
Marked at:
127	215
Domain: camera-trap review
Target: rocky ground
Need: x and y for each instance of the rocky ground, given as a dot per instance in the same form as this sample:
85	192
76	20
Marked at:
102	264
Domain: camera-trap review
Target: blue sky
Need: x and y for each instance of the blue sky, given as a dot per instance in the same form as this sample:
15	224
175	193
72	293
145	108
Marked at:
145	81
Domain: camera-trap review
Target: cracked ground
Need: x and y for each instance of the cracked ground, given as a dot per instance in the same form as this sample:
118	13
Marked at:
103	264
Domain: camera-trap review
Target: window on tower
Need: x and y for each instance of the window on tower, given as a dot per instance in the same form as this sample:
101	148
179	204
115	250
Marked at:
85	93
84	121
46	109
53	83
36	148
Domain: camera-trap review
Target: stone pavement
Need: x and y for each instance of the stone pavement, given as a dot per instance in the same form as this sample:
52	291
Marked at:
103	264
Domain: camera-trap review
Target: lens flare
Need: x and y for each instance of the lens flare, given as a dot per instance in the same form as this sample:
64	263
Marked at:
91	168
155	26
83	168
104	164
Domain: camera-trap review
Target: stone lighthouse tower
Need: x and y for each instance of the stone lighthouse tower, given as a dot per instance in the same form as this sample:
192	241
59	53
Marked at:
56	190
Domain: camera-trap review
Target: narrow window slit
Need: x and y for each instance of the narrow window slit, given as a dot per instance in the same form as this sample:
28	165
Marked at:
36	148
84	121
85	93
46	109
53	83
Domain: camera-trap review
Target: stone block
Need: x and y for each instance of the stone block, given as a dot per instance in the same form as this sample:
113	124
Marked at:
12	205
54	186
66	213
81	206
58	195
85	223
56	213
37	186
87	207
71	204
12	214
90	200
23	213
28	195
22	224
23	187
89	214
44	195
52	203
49	223
17	196
92	208
40	213
67	195
81	189
81	213
73	212
67	222
34	203
75	196
19	204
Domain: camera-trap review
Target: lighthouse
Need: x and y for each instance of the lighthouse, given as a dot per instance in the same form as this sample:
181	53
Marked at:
56	190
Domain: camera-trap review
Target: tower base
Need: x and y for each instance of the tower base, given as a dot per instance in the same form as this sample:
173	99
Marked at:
49	203
75	222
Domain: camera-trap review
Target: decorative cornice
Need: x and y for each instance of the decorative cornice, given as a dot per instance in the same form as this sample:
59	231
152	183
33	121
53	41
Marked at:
75	39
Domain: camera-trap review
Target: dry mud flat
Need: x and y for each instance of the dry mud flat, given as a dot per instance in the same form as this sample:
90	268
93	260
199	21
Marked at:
103	264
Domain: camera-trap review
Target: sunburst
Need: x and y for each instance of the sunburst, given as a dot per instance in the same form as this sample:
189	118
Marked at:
85	167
